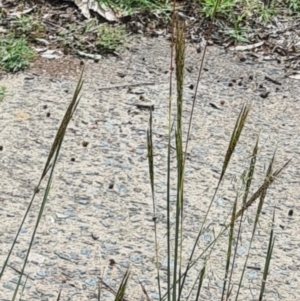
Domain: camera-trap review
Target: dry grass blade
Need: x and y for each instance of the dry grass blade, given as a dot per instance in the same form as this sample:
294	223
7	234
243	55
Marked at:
58	297
99	291
121	291
256	195
233	141
145	292
47	190
262	189
259	207
248	183
170	126
63	126
150	157
179	61
235	138
68	116
201	278
251	171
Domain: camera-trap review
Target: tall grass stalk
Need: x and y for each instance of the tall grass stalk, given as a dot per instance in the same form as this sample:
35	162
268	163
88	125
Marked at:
176	286
50	165
248	182
259	207
151	173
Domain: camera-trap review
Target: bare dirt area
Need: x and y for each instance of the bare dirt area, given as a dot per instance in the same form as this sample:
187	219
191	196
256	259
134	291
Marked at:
98	220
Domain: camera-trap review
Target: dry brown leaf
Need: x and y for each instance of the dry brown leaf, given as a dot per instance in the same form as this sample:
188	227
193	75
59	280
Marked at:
104	11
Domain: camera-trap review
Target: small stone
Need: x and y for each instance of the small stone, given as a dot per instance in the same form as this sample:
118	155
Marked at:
125	166
109	126
238	150
24	230
219	201
155	296
36	258
83	201
139	151
122	188
74	256
206	237
159	146
136	257
85	252
61	216
41	274
252	275
240	251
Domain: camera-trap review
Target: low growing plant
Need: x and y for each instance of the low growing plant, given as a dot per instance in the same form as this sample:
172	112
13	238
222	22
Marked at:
110	38
27	26
15	54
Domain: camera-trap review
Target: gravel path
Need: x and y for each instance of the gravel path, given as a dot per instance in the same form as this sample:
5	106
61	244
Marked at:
100	209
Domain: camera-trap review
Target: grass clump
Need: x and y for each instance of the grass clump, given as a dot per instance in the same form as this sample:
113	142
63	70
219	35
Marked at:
131	6
294	5
224	8
15	54
27	26
110	38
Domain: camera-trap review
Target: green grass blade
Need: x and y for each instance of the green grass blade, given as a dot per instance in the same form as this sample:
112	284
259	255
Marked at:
145	292
233	141
179	61
201	278
57	143
262	188
248	183
259	207
122	288
58	297
151	175
46	194
230	241
235	138
254	197
17	235
268	261
63	126
99	291
170	126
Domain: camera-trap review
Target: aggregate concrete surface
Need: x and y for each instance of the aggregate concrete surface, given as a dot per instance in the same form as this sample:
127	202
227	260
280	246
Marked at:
98	218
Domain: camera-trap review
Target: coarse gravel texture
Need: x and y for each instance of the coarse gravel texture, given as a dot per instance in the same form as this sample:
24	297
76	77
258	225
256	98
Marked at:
100	205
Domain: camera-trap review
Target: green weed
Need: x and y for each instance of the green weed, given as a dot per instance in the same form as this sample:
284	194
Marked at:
294	6
130	6
217	7
27	26
15	54
110	38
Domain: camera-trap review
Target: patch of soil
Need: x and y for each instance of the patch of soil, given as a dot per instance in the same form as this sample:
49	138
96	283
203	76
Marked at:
66	65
